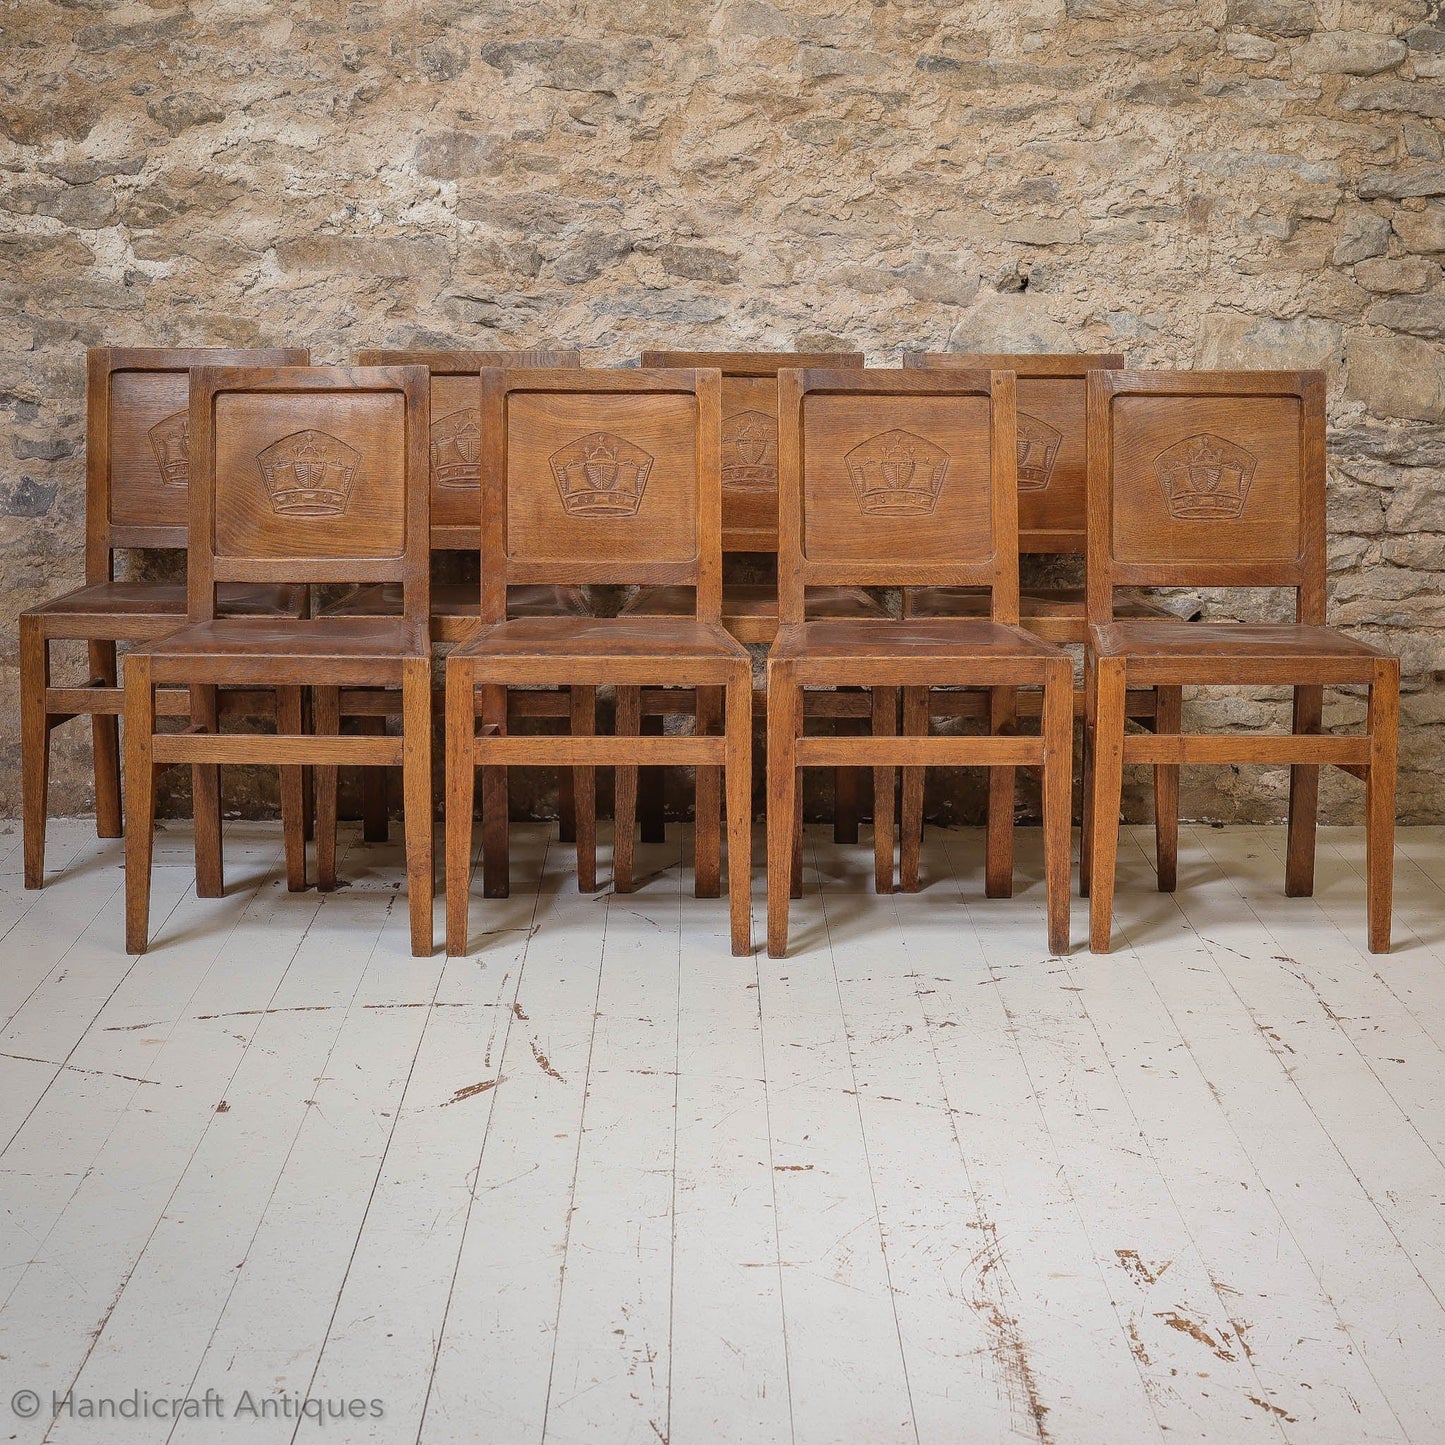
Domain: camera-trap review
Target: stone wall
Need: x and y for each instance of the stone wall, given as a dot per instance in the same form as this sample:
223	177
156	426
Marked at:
1250	182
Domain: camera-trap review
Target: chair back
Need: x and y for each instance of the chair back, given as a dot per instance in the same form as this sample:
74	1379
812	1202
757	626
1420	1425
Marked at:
456	437
309	474
137	443
750	433
593	476
1207	479
897	479
1052	442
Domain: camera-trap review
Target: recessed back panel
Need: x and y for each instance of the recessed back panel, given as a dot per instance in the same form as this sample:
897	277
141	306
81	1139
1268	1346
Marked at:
1053	456
599	478
896	479
149	448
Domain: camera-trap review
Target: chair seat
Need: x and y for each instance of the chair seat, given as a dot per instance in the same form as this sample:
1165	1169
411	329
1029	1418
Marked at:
750	609
168	599
461	600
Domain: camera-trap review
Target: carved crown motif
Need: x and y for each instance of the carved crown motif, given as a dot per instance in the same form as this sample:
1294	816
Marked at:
897	474
750	451
1205	476
1038	447
601	475
456	446
171	442
308	474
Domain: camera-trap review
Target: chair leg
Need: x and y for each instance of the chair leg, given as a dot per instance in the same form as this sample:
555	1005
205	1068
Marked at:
566	804
1384	726
651	789
140	802
707	805
416	722
847	790
105	742
738	730
373	789
624	793
795	863
496	805
1168	718
461	767
784	705
584	724
1109	683
293	823
1304	800
206	800
34	745
910	822
326	722
1057	726
1086	791
998	868
885	724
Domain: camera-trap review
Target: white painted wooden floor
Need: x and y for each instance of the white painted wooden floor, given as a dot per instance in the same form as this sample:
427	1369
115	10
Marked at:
603	1183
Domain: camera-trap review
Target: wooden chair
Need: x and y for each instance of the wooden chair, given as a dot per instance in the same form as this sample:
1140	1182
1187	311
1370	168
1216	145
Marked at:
298	475
598	477
136	473
750	524
456	528
905	479
1217	479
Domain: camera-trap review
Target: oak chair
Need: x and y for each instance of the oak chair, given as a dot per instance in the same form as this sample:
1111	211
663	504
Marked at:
136	473
456	528
906	479
299	474
1217	479
598	477
749	524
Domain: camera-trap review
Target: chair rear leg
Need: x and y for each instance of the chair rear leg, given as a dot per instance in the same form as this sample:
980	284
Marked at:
1304	800
1109	682
293	822
416	725
910	822
1057	726
140	803
326	716
707	806
461	766
1168	718
1384	726
496	818
847	790
374	827
795	863
584	724
738	730
998	868
885	724
1086	791
105	742
566	801
624	793
34	746
651	788
784	705
206	799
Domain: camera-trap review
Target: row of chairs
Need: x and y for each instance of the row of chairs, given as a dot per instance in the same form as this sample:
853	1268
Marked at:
932	479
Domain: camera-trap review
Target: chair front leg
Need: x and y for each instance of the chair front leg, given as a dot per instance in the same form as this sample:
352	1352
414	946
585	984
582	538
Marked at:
738	730
496	805
293	820
885	724
140	802
998	868
784	705
624	793
416	720
461	765
1304	800
1384	727
1057	727
707	804
1109	684
326	721
1168	718
105	742
206	799
916	722
34	745
584	724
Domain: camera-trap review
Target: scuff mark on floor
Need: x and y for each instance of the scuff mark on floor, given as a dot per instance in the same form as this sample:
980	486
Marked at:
1272	1409
472	1090
1195	1331
1140	1270
544	1062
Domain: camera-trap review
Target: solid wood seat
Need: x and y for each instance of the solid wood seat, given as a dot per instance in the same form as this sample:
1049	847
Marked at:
136	474
926	650
1217	479
609	649
750	609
